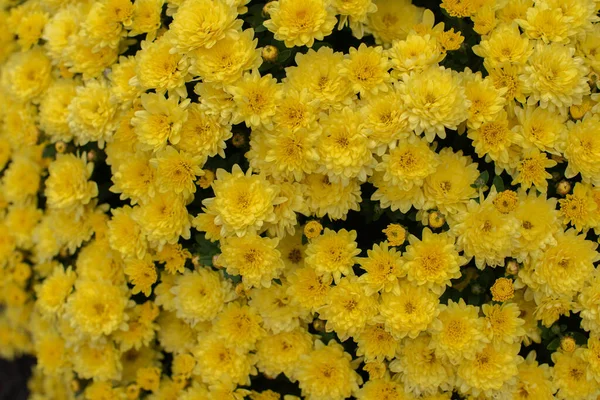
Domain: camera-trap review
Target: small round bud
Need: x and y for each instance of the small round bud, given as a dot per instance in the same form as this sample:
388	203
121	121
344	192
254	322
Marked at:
506	201
396	234
319	325
92	156
207	179
556	176
563	187
502	289
568	344
238	140
555	329
270	53
512	267
60	147
436	219
313	229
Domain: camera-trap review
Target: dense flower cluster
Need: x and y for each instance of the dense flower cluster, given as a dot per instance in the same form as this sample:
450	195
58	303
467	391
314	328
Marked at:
201	196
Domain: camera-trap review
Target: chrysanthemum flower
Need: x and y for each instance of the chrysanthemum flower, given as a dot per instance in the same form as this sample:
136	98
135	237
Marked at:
176	171
421	371
502	322
146	18
54	290
415	53
457	333
571	378
348	308
125	235
384	120
486	100
54	110
160	121
26	75
555	77
333	253
375	343
328	198
434	100
531	170
393	20
243	202
449	187
163	219
141	273
381	388
277	309
432	261
354	13
409	310
226	61
255	258
201	23
540	128
504	46
394	197
307	288
97	360
582	149
580	209
409	163
546	23
255	99
300	23
280	353
201	295
203	134
238	325
367	70
589	299
383	266
326	372
135	178
218	362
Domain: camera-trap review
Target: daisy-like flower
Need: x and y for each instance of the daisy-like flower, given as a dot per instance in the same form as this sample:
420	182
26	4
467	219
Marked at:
141	273
540	128
367	70
375	343
487	101
243	202
54	290
434	100
281	352
174	256
409	163
582	149
300	23
555	77
546	23
432	261
415	53
502	322
218	362
579	209
348	308
533	380
504	46
570	375
409	310
255	258
289	153
307	288
238	325
531	170
384	120
176	171
333	253
326	372
383	267
255	99
334	199
502	289
393	20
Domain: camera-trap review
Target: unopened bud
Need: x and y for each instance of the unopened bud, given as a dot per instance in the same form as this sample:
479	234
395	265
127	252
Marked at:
270	53
568	344
319	325
563	187
512	267
60	147
238	140
436	219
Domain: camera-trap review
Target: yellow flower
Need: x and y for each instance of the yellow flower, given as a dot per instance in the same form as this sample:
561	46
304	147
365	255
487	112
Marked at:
502	289
243	202
507	77
409	310
313	229
409	163
459	8
533	380
375	343
146	18
318	73
484	232
540	128
432	261
582	149
277	309
486	100
201	23
176	171
367	70
255	258
592	356
53	291
100	29
135	178
148	378
421	371
449	187
333	253
489	370
458	332
579	209
200	295
383	266
163	219
239	325
54	111
307	288
281	352
570	376
141	273
354	13
504	46
300	23
555	77
218	362
348	308
203	134
344	149
160	121
21	219
484	20
503	323
125	235
100	361
68	187
531	170
174	256
395	234
393	20
26	75
434	100
563	268
326	372
226	61
415	53
96	308
589	299
450	40
328	198
546	23
384	120
92	113
255	99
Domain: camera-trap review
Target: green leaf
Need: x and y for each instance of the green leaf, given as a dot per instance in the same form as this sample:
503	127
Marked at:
554	344
498	183
260	28
483	179
284	55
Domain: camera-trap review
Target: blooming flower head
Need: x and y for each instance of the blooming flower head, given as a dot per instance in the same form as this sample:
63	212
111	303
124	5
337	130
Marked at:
458	332
238	325
333	253
326	372
308	289
163	219
176	171
502	289
255	258
383	267
432	261
570	376
334	199
393	20
503	323
531	170
375	343
281	352
255	98
142	274
26	75
582	149
580	209
434	100
486	100
505	45
242	202
300	23
367	70
53	291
